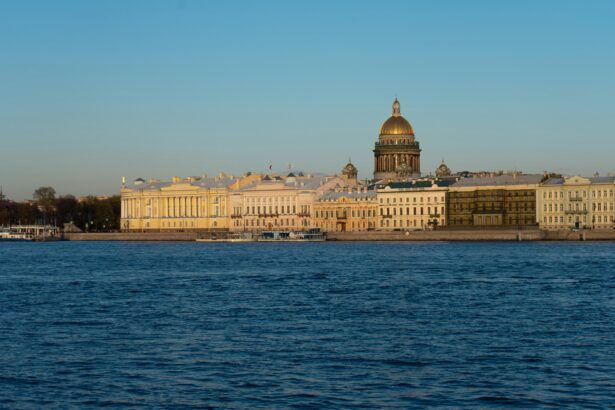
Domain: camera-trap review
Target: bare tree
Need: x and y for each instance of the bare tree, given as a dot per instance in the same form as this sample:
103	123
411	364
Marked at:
45	198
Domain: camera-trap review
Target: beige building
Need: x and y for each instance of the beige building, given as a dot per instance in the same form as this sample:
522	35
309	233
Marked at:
193	203
346	210
412	205
576	202
503	200
280	203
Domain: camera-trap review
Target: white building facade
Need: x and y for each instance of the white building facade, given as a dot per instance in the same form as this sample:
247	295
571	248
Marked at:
412	205
576	202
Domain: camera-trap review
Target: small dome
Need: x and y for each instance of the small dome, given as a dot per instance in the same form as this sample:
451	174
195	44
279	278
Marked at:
350	169
396	124
443	170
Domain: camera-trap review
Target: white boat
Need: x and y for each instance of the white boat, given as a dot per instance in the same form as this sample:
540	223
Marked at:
230	238
312	235
7	236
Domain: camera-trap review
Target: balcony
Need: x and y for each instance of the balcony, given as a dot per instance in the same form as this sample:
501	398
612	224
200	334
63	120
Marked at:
576	212
236	216
412	145
434	215
268	215
575	198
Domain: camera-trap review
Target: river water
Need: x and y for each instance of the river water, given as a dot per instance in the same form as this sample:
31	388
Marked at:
331	325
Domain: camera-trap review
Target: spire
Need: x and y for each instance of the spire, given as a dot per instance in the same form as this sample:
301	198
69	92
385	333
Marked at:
396	110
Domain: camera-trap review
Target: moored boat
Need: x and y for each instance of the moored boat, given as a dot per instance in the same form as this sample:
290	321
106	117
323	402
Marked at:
311	235
232	238
7	236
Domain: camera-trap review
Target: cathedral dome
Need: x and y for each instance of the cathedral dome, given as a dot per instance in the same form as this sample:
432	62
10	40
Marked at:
396	124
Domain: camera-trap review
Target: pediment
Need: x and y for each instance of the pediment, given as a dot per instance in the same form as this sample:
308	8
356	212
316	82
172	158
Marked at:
577	180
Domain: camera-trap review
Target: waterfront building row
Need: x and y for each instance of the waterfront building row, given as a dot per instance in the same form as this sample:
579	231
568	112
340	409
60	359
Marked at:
397	198
340	203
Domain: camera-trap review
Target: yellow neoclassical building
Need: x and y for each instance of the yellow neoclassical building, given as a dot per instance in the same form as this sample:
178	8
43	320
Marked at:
413	205
576	202
193	203
347	210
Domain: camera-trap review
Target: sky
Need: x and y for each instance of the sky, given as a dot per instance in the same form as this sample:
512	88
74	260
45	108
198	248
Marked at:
92	91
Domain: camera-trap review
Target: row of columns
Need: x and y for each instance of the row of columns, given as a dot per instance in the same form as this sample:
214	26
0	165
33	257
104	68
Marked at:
130	208
168	207
182	206
390	162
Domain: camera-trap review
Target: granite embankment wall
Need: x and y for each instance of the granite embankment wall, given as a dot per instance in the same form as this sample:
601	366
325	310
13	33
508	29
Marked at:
474	235
491	235
132	236
440	235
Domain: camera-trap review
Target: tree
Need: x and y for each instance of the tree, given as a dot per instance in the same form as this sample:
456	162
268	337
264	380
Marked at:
25	213
5	211
66	209
45	198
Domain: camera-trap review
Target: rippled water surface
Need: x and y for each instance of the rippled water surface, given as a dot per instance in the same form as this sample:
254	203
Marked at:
378	325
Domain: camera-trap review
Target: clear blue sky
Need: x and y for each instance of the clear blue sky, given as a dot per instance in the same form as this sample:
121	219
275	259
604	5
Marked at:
91	91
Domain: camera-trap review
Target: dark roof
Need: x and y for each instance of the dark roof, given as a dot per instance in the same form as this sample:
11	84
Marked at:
592	180
500	180
602	180
420	184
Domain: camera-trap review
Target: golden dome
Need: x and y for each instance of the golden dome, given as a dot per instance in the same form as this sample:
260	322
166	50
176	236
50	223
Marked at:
396	124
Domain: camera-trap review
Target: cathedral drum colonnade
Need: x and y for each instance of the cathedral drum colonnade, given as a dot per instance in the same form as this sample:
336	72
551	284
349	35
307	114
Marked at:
397	154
